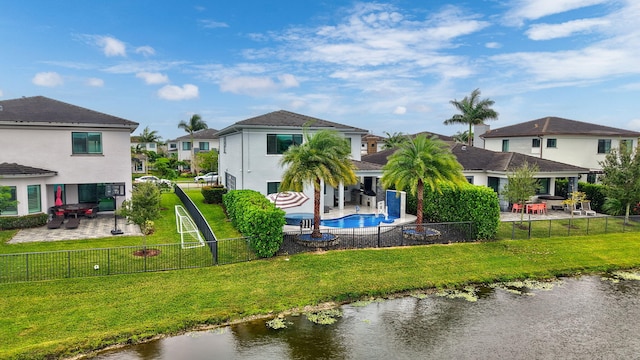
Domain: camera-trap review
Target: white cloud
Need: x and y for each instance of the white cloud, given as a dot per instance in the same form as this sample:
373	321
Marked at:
493	45
212	24
111	46
256	85
95	82
555	31
47	79
173	92
153	78
145	50
536	9
400	110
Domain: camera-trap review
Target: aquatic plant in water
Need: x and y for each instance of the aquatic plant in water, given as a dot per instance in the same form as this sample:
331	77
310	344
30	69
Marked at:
519	287
278	323
324	317
616	276
469	293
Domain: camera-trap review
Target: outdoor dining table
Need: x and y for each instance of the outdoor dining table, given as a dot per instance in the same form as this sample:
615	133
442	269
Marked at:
75	209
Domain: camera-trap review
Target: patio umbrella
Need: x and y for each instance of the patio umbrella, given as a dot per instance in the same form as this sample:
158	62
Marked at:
59	196
288	199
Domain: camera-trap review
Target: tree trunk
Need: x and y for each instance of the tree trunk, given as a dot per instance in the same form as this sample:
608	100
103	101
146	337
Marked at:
626	215
419	210
316	210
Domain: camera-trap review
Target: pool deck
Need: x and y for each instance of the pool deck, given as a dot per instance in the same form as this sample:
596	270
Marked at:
350	210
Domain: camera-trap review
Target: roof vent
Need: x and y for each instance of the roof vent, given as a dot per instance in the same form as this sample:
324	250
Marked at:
464	147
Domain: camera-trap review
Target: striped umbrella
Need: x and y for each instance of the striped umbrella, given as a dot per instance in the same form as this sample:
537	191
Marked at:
288	199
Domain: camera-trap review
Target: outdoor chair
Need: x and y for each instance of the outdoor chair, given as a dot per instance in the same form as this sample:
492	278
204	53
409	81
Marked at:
305	224
586	208
516	208
72	223
55	222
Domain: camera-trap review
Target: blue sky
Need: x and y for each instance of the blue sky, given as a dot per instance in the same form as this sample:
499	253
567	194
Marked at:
383	66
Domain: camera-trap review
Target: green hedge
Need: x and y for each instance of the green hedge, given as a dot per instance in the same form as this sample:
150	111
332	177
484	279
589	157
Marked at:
23	222
256	218
595	193
478	204
213	194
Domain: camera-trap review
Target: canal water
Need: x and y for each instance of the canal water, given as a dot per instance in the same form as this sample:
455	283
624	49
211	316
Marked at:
574	318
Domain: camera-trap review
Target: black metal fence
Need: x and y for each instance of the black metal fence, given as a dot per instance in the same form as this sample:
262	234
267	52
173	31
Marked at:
199	220
135	259
589	225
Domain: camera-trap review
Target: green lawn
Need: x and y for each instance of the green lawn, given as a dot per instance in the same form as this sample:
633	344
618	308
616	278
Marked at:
64	317
565	227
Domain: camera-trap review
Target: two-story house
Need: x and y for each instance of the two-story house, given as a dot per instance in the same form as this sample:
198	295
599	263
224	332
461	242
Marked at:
203	141
568	141
50	149
251	149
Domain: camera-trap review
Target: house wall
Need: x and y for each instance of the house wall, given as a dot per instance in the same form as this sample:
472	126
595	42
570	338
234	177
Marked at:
51	149
575	150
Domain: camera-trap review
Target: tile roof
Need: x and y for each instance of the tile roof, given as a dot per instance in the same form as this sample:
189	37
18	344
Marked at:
283	118
557	126
16	170
473	158
202	134
40	109
364	165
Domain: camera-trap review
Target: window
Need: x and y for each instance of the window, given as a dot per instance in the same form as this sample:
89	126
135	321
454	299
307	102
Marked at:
152	145
33	199
273	187
627	143
203	146
469	179
86	142
173	146
552	143
279	143
535	143
224	145
13	209
505	145
186	146
544	186
604	146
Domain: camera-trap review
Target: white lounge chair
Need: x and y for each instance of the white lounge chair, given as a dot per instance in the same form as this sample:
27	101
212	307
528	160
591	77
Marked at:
586	208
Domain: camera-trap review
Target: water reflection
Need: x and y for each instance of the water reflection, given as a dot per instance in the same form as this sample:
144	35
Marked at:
581	318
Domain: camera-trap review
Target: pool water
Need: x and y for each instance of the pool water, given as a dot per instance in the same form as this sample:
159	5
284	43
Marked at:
357	221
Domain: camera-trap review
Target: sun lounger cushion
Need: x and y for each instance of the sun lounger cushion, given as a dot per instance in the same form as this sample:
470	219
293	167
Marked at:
56	222
72	223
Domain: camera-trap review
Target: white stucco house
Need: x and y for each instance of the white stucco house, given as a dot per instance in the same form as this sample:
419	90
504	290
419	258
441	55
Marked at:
568	141
203	141
46	145
251	149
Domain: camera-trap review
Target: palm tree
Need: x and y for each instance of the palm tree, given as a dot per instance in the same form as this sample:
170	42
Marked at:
195	124
474	111
324	156
419	161
395	139
148	136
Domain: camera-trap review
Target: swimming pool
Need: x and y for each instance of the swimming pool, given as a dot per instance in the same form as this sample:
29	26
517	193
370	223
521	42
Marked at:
357	221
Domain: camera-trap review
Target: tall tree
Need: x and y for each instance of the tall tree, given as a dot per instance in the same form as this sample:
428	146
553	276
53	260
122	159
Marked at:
422	161
473	111
395	139
148	136
323	156
195	124
621	168
521	185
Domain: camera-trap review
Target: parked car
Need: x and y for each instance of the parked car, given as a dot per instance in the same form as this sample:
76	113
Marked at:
152	179
208	177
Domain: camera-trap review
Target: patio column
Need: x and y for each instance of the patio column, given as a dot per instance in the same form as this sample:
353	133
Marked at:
341	196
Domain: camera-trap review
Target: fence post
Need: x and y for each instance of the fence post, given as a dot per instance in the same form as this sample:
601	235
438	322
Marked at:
606	224
68	264
378	236
513	230
26	258
549	228
587	225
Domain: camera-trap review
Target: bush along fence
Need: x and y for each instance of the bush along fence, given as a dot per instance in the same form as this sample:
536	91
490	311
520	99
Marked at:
590	225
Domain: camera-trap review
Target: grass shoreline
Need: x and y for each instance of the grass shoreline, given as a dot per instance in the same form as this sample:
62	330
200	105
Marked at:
65	318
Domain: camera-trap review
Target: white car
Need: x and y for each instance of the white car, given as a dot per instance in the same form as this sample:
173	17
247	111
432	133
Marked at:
152	179
208	177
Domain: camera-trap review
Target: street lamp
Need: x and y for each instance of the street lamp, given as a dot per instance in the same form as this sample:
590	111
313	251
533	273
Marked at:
115	190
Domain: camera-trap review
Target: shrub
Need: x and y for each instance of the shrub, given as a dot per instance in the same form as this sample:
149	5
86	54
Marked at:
23	222
562	188
478	204
213	194
595	193
256	218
